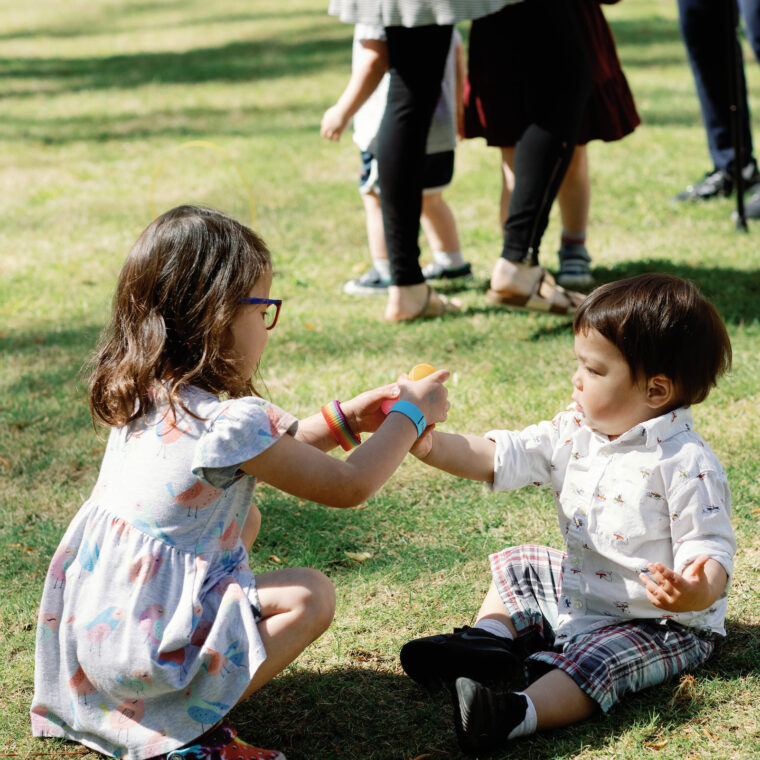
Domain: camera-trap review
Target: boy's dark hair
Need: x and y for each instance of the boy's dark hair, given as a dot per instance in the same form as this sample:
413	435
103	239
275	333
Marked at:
662	325
177	295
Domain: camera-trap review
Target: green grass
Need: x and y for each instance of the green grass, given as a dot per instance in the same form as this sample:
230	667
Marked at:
95	97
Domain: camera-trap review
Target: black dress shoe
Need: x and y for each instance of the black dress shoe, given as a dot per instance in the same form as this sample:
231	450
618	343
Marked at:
713	184
484	718
439	660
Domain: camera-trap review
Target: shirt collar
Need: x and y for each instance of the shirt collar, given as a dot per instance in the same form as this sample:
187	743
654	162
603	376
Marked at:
658	429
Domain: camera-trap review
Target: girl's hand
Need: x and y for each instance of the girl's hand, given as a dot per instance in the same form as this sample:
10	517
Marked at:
333	123
695	590
363	412
428	394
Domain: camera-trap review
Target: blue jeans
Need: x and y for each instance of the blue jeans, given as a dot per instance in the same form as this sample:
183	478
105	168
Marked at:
705	31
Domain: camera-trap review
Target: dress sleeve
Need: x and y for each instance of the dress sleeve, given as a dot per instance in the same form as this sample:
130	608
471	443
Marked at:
239	431
524	457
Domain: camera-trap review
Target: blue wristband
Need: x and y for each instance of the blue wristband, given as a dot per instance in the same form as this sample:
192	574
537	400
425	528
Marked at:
408	409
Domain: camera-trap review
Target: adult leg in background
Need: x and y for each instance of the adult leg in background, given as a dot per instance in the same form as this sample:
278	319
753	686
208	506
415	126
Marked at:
561	81
705	34
416	57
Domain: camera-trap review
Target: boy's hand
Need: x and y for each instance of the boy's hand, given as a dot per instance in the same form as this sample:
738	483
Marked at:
333	123
690	592
424	444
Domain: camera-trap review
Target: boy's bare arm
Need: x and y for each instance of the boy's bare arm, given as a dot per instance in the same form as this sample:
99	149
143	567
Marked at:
364	80
700	585
466	456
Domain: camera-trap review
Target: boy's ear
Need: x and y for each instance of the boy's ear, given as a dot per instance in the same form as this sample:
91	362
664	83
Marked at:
661	391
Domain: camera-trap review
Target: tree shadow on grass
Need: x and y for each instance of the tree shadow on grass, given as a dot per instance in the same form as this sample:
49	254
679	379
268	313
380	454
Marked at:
368	709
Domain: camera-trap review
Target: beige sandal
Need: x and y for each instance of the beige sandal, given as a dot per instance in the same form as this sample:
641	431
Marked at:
546	297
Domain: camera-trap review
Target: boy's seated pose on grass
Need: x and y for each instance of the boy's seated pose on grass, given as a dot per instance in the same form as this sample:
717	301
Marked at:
639	593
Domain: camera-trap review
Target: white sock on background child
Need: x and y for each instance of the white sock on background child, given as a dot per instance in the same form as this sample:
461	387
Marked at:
496	627
449	259
382	267
529	722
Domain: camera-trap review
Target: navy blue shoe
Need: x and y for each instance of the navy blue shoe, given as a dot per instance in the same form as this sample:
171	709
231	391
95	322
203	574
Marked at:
437	661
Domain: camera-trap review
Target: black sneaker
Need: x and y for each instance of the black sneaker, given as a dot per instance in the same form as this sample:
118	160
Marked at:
436	661
436	271
713	184
484	718
369	284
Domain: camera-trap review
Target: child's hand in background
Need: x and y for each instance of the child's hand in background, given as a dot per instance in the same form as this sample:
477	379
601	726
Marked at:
334	122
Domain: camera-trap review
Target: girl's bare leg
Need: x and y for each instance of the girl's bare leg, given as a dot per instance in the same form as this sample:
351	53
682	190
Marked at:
438	223
251	527
574	194
297	606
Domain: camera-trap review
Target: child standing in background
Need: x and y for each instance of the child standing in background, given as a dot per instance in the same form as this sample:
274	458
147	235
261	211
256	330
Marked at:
364	99
639	593
497	107
152	626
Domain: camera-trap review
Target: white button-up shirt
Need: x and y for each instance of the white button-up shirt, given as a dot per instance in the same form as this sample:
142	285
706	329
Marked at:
655	494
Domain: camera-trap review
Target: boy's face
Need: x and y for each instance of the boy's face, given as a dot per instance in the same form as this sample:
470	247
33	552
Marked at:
609	398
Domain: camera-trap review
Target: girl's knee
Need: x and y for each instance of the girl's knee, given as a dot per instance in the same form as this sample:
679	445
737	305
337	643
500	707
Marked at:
318	598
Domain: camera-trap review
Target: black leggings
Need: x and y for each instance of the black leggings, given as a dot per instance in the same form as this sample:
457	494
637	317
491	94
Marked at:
556	63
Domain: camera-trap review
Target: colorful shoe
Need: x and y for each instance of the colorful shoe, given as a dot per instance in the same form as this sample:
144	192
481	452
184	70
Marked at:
484	718
221	743
436	271
369	284
574	267
439	660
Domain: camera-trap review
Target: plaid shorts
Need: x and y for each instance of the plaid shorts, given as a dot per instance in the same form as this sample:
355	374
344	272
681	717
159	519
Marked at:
606	662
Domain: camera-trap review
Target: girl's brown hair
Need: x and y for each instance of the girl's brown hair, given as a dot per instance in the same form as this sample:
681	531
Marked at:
661	324
176	297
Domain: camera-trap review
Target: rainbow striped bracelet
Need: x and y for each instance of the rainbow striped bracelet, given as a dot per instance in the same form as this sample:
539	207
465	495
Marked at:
338	426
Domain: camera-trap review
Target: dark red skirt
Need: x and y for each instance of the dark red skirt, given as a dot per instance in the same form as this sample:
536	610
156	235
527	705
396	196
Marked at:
496	92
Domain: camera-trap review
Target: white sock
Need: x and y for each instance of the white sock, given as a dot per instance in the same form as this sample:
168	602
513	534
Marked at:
528	724
449	259
383	268
496	627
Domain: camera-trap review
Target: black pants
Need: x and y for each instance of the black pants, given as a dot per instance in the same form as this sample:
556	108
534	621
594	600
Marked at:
705	31
558	67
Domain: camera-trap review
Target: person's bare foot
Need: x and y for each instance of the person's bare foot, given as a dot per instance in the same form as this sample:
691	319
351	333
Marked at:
528	287
409	302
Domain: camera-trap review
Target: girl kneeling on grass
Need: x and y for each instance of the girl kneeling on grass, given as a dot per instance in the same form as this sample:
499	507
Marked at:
151	625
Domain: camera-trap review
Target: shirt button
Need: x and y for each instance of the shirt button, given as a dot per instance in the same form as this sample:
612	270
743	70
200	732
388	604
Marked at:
578	604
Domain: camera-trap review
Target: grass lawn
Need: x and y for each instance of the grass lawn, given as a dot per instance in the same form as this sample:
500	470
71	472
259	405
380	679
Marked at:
97	98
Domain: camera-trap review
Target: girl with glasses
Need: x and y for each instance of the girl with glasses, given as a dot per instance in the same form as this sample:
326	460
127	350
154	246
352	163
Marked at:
152	626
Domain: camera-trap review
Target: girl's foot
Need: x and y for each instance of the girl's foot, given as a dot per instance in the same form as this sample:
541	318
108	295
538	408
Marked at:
530	288
407	303
221	742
